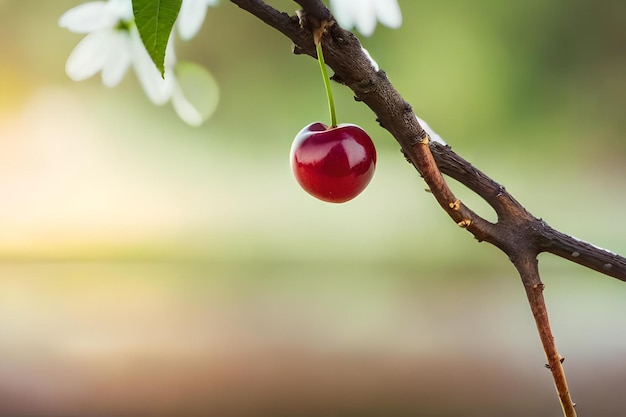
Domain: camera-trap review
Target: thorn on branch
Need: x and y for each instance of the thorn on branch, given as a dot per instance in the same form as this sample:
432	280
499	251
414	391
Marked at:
561	359
406	156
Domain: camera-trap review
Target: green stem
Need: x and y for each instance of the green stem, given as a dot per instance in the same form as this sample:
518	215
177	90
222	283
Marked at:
329	91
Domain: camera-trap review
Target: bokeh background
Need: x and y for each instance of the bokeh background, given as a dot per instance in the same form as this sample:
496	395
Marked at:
153	269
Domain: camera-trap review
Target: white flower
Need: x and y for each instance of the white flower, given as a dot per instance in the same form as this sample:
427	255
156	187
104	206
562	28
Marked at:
112	45
191	17
106	47
365	13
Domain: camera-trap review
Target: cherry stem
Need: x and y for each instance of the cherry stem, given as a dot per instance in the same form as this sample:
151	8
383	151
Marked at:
326	78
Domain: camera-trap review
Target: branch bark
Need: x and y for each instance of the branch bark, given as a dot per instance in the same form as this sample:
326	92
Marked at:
519	234
527	266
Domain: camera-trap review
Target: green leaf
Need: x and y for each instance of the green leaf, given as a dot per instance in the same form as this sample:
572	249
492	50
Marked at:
155	20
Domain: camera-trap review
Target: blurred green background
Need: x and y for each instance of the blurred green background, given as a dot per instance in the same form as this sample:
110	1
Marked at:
150	268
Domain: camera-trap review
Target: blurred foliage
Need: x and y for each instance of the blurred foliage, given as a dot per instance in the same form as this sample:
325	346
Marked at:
519	89
238	257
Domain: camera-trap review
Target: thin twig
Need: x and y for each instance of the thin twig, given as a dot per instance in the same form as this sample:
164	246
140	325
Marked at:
528	269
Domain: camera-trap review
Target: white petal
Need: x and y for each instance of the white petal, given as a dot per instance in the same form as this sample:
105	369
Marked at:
170	53
365	19
351	13
343	12
88	57
389	13
191	17
123	9
158	89
185	110
118	59
364	14
89	17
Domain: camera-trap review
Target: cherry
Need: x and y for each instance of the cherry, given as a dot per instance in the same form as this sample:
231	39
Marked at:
334	164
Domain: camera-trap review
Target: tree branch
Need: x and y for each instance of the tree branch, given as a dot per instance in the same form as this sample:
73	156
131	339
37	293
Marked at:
546	238
519	234
344	55
527	267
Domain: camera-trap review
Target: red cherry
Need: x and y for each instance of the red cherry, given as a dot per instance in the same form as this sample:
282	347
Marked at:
333	164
